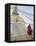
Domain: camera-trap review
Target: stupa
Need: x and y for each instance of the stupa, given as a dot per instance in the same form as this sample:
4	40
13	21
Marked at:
18	25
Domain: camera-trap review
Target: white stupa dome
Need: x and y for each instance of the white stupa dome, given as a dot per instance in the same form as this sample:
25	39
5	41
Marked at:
17	26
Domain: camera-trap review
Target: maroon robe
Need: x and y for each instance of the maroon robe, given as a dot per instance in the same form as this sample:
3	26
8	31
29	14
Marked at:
29	30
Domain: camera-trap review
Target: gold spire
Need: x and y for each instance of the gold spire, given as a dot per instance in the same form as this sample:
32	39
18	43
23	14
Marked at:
15	11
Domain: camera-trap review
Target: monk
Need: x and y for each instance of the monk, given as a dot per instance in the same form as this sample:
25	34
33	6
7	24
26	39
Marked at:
29	30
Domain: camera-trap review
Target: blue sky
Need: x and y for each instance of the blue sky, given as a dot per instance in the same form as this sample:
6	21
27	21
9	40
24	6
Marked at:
28	9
